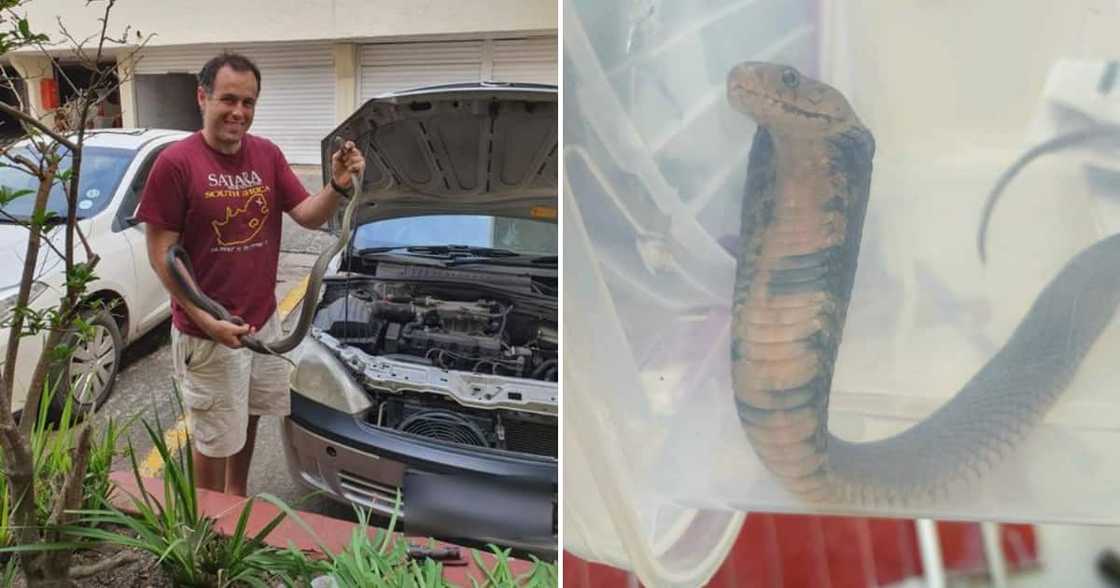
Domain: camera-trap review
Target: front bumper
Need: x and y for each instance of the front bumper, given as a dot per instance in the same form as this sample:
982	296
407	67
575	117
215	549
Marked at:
445	490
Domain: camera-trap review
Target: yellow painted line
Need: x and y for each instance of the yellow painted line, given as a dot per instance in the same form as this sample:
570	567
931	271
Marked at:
174	439
294	296
176	436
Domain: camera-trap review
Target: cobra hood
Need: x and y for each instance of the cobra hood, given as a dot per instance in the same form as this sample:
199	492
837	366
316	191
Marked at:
477	148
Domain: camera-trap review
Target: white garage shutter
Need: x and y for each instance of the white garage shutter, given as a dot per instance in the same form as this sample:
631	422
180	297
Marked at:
297	104
525	60
391	67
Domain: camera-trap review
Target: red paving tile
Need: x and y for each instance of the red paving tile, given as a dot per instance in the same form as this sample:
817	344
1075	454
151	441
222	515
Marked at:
333	533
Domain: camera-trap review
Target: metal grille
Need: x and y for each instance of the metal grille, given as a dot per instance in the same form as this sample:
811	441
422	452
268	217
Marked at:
530	437
367	492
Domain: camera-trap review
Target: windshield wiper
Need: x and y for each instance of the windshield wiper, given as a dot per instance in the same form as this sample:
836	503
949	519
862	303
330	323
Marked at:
369	250
462	250
524	260
453	250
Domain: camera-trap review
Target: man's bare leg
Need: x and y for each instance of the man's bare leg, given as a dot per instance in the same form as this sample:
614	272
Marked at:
209	472
237	465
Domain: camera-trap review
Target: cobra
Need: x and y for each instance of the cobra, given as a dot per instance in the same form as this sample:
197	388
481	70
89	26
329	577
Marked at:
806	197
179	267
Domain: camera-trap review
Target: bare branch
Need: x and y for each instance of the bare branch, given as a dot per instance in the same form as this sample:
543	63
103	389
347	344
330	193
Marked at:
77	45
67	314
32	167
8	218
19	167
68	499
15	221
30	261
71	492
85	244
104	27
10	83
19	114
72	200
19	470
120	559
15	439
35	389
123	39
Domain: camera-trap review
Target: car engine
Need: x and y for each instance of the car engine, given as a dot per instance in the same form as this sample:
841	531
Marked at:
450	326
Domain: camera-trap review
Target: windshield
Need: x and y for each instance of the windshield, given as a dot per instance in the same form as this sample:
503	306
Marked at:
523	236
102	169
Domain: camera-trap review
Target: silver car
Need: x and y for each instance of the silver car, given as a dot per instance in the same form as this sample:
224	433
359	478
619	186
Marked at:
432	364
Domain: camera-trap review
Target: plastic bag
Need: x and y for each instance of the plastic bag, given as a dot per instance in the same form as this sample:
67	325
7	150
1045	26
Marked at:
654	167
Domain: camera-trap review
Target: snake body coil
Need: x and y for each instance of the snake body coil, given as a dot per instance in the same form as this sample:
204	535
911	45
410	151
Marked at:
806	197
179	267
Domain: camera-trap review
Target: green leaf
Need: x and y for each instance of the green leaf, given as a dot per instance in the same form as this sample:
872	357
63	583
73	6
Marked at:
7	195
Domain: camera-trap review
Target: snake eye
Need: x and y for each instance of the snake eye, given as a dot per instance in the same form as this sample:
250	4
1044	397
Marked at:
790	78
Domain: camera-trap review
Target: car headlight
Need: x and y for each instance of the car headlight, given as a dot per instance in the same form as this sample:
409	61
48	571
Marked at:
321	377
8	298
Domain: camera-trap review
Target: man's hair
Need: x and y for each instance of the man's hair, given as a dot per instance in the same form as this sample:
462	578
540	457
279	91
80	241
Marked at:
235	60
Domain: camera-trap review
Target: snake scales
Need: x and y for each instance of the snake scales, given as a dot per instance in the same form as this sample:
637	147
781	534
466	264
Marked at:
806	197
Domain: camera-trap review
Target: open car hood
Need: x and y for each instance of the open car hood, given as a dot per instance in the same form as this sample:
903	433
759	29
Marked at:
477	148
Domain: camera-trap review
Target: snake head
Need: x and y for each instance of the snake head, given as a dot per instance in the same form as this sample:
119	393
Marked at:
784	100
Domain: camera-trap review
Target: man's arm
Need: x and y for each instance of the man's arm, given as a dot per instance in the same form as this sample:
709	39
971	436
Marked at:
314	211
159	241
346	164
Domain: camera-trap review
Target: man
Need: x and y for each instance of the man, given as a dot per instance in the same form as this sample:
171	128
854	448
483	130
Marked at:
219	194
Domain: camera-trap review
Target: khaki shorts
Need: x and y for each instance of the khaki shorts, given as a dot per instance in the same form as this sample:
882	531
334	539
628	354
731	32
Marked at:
221	387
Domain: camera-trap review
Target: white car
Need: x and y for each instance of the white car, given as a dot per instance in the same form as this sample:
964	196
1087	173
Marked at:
115	165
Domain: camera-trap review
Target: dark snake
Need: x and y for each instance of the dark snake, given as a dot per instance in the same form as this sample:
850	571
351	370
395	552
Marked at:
179	267
807	191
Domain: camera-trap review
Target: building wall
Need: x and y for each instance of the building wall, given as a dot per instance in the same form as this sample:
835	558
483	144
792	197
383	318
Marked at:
291	20
310	50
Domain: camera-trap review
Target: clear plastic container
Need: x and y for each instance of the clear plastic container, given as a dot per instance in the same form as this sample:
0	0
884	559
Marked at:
657	469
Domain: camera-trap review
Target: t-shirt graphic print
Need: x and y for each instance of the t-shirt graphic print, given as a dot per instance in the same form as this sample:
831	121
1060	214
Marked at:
246	216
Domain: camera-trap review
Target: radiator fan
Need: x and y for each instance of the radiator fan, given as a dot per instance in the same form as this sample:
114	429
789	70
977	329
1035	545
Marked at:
444	426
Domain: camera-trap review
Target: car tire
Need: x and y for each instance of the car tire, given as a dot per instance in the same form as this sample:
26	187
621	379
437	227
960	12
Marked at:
94	361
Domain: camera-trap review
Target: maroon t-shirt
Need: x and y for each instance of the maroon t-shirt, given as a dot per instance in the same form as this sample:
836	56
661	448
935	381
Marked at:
227	209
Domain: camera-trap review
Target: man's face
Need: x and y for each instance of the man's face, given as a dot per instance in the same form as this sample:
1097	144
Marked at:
228	112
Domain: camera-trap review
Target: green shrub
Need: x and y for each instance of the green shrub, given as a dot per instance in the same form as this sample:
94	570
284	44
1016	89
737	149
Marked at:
187	545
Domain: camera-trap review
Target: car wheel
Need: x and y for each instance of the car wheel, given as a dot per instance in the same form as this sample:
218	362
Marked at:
91	370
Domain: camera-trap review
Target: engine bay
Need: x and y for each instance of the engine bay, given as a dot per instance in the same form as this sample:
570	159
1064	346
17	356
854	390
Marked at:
448	325
480	330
